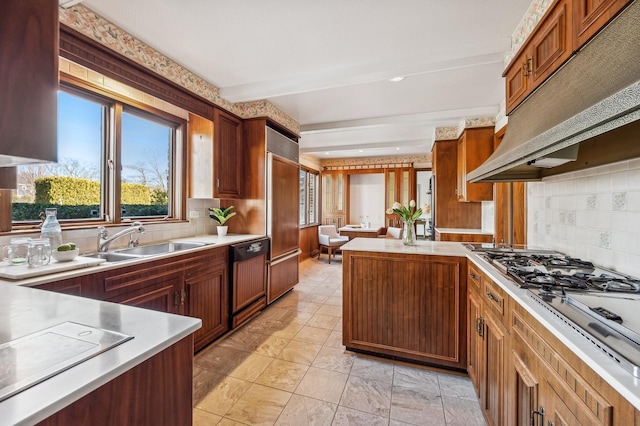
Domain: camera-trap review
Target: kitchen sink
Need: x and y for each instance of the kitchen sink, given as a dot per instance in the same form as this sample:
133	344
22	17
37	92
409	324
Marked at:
112	257
155	249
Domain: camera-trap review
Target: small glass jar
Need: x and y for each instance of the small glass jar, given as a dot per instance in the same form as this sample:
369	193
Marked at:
16	251
39	252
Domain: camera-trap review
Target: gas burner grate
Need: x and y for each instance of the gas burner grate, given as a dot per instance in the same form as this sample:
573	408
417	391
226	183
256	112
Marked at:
606	282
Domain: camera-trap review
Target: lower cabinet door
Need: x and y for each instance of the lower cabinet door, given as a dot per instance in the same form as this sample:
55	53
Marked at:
492	369
208	299
474	341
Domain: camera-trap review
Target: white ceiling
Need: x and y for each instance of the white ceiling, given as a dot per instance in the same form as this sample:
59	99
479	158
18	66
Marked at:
327	63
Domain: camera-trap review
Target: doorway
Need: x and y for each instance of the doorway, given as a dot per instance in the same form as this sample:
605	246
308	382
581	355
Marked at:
366	199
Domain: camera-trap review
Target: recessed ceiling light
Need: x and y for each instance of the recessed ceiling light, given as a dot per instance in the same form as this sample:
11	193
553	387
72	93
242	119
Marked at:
397	149
396	79
326	153
360	151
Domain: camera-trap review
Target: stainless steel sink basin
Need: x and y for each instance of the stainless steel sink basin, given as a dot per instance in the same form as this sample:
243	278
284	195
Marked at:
155	249
112	257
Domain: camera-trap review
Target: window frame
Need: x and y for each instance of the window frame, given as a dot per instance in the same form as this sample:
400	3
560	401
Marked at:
111	162
316	182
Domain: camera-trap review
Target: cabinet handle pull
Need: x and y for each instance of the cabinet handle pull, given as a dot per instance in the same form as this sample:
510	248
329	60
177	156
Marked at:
176	298
540	414
480	326
493	297
217	183
474	276
183	297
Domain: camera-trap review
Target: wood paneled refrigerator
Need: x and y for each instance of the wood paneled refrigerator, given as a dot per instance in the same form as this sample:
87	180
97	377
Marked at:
283	226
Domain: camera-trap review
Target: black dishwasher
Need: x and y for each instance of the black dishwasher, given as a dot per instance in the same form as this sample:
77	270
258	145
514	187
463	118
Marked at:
248	280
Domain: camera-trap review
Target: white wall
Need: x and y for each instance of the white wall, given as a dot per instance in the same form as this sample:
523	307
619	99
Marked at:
366	198
593	214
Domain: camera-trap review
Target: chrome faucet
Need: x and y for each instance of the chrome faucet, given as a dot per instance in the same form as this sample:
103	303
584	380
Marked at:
104	239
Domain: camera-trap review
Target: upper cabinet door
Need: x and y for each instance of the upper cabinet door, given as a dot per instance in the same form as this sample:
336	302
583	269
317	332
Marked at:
228	160
591	15
552	43
29	80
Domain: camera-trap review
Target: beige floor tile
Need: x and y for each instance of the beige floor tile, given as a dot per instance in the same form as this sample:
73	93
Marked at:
334	340
338	326
316	298
300	352
349	417
283	375
415	378
204	381
456	386
221	359
322	384
459	412
251	367
373	369
312	335
334	300
334	359
268	345
309	307
367	395
398	423
240	339
229	422
204	418
304	411
417	406
323	321
224	396
335	311
260	405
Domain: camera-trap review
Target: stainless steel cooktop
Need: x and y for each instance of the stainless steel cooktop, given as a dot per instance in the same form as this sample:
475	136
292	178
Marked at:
36	357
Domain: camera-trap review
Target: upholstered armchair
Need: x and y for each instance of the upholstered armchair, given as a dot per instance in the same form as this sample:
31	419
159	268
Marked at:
392	232
328	237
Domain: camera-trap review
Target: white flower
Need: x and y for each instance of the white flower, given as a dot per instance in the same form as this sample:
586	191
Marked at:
396	206
412	203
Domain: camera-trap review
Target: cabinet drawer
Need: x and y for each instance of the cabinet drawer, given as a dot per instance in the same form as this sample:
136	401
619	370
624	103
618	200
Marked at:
474	278
138	277
494	297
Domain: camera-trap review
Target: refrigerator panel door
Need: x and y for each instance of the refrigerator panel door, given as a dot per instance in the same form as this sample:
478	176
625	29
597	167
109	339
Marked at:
283	202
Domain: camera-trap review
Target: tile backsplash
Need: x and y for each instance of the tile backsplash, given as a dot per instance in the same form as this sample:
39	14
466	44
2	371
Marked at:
592	214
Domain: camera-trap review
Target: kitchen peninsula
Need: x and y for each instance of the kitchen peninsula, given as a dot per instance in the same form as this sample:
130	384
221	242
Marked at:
153	369
439	304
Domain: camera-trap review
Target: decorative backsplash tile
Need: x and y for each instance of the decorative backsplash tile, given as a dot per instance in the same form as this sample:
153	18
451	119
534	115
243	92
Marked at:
583	215
619	201
87	22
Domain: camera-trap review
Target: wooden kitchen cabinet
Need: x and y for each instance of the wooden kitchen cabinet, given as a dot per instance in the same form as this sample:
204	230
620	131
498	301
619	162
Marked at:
200	182
590	16
410	307
548	47
487	341
334	197
228	159
194	284
399	186
564	29
449	213
474	147
207	296
29	84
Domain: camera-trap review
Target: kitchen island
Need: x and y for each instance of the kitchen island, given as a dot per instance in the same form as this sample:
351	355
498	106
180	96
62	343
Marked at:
406	302
145	380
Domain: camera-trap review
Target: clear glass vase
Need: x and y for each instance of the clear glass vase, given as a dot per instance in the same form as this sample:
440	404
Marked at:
409	233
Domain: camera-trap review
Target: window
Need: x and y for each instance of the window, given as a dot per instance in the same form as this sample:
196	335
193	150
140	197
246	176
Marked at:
308	199
115	162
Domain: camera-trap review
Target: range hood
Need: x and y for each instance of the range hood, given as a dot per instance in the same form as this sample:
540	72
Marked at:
586	114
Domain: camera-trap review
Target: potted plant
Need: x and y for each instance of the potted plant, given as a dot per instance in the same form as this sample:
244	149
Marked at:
221	216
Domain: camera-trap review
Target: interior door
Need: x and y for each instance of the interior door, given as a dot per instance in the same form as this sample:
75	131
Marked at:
284	198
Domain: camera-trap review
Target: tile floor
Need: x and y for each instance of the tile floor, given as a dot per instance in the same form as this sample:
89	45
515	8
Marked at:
287	366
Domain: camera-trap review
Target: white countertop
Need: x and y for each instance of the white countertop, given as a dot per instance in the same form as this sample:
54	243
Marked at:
359	229
210	240
393	245
462	231
24	311
625	383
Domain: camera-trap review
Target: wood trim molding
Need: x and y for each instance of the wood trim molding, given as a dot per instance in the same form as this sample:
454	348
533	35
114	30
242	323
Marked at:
80	49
